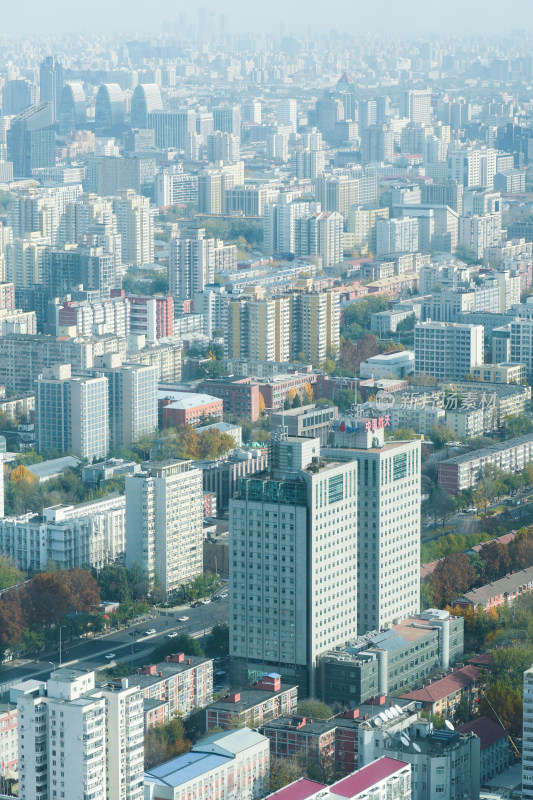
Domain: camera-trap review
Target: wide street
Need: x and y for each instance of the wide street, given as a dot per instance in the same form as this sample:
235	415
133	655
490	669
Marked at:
90	654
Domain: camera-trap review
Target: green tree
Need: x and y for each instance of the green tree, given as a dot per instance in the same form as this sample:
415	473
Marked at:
182	644
217	644
282	772
462	713
297	402
314	709
440	436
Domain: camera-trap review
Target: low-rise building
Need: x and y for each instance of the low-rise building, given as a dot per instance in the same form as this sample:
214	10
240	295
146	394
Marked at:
388	365
494	746
261	702
465	471
187	408
505	372
223	475
182	682
114	467
235	431
503	592
229	764
276	389
397	658
310	420
444	695
240	396
9	738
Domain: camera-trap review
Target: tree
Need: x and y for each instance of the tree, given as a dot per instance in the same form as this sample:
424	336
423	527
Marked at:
217	644
262	404
440	505
297	402
195	724
182	644
9	574
282	772
508	703
517	425
462	712
496	560
406	325
308	394
441	435
453	576
404	434
313	708
351	354
165	742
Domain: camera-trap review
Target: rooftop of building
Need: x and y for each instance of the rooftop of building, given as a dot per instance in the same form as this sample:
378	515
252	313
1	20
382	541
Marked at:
457	680
47	469
187	400
302	789
367	777
167	669
248	698
503	586
508	444
486	729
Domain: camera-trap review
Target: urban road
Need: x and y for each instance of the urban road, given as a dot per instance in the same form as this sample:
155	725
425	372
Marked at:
89	654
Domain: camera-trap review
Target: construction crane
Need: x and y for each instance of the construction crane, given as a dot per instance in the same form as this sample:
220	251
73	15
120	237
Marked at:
515	748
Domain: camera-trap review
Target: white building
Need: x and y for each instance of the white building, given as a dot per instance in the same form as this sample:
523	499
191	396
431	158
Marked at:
388	508
77	741
448	350
293	563
233	765
479	232
191	264
164	516
388	365
90	534
396	235
136	225
322	235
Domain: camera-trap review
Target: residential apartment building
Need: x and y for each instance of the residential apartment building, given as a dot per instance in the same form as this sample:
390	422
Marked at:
90	534
506	372
494	746
448	350
263	701
444	695
164	515
191	264
237	762
240	396
396	236
72	413
76	739
465	471
503	592
388	508
291	600
527	741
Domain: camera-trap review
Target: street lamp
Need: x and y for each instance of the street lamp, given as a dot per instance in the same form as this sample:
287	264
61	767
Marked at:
60	643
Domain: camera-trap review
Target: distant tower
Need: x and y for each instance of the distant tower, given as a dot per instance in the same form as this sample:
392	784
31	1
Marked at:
51	82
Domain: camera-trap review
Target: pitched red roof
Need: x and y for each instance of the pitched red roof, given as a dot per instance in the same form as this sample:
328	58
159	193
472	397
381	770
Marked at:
299	790
367	776
487	730
456	680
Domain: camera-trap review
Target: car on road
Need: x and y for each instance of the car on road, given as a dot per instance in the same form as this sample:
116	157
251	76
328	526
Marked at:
172	635
184	618
196	604
110	656
149	632
223	595
205	602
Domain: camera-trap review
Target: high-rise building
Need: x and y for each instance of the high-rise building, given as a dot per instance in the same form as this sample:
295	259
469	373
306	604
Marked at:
72	108
416	105
164	515
51	83
258	326
388	522
76	740
287	114
109	110
71	413
227	119
315	321
293	563
136	225
279	223
377	144
132	392
223	147
448	350
145	100
191	264
171	127
322	235
3	448
396	236
17	96
527	741
337	193
31	140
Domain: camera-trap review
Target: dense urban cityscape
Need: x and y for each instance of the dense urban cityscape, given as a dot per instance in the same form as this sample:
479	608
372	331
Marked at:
266	432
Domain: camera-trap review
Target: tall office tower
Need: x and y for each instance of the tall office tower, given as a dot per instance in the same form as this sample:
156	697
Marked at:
367	114
336	193
448	350
109	110
136	225
328	111
383	110
293	563
315	325
51	83
72	108
6	238
211	186
252	112
227	119
445	193
132	392
527	740
258	328
194	147
171	127
31	140
377	144
287	114
279	223
145	100
17	96
204	123
76	740
388	523
191	264
396	236
362	223
164	516
322	235
71	413
347	92
416	105
306	163
278	146
223	147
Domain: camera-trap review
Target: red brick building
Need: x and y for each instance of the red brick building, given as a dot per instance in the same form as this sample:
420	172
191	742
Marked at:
188	408
263	701
239	395
276	389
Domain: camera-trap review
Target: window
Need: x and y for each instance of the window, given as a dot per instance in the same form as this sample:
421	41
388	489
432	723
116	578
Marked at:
336	488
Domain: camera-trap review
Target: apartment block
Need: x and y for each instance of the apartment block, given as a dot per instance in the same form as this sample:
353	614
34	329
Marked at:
448	350
263	701
465	471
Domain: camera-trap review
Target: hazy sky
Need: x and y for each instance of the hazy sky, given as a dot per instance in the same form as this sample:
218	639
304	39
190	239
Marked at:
413	17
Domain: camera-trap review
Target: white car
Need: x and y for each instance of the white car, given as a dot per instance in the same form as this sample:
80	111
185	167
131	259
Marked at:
183	619
110	656
205	602
172	635
149	632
